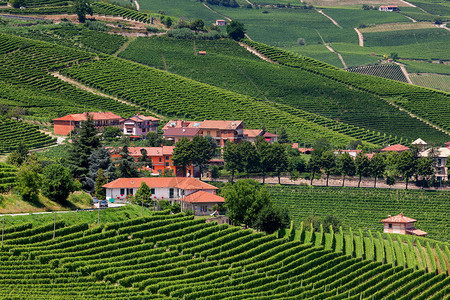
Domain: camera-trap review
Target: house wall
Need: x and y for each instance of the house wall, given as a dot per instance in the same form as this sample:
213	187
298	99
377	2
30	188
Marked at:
63	127
200	209
160	193
396	228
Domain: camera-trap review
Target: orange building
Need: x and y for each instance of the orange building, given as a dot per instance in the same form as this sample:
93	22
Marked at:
161	158
64	125
402	225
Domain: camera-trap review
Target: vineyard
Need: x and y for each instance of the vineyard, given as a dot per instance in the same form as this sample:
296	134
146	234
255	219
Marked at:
175	256
435	81
7	177
364	208
389	71
430	105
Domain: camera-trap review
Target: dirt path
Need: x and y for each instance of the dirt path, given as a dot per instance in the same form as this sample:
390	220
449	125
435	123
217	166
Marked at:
414	21
205	5
97	92
249	3
331	19
137	5
407	3
332	50
360	37
252	50
402	67
74	19
125	45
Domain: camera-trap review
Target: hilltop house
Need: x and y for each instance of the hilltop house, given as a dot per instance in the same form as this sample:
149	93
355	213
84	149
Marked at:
252	134
402	225
388	8
139	125
160	157
191	193
66	124
221	22
441	161
221	130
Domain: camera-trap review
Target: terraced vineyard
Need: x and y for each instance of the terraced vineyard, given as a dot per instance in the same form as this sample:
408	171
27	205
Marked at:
175	256
7	177
435	81
388	71
12	133
25	70
364	207
430	105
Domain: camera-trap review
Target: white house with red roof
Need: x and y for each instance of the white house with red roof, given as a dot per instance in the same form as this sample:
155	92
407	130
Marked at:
139	125
441	157
402	225
191	193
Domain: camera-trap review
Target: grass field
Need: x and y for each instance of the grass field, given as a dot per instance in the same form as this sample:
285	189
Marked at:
398	27
435	81
427	67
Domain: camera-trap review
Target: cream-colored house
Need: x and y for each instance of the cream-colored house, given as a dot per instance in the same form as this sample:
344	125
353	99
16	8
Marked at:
401	225
441	158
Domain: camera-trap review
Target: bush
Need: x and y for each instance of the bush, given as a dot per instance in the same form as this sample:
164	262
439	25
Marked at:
181	33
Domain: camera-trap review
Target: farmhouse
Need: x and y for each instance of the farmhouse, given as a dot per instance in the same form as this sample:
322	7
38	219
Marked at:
66	124
160	158
402	225
388	8
139	125
252	134
221	130
191	193
221	22
441	161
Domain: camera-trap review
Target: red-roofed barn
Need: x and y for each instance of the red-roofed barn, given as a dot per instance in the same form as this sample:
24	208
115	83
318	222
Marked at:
66	124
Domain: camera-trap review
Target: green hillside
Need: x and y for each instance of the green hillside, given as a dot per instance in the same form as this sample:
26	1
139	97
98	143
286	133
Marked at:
364	208
177	257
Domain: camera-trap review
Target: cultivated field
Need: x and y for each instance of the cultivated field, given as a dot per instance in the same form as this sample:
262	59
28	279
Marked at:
175	256
435	81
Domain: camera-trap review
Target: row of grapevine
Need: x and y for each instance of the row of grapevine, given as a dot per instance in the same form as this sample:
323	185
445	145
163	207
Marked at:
210	261
389	71
430	105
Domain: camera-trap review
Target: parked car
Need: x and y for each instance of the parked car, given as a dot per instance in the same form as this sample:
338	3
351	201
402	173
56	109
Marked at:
103	203
95	200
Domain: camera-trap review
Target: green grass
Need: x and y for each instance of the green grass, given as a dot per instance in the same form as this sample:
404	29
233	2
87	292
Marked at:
425	67
365	207
435	81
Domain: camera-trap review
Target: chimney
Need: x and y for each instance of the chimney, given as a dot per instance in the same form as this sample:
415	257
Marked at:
389	216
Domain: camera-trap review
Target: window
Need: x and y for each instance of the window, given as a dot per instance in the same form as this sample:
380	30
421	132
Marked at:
208	133
143	129
160	159
129	130
122	191
130	192
203	208
170	193
152	191
167	164
167	158
390	225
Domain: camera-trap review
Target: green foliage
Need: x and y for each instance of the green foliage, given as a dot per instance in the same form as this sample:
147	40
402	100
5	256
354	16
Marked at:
57	183
29	179
236	30
111	133
101	180
143	195
82	8
271	219
126	166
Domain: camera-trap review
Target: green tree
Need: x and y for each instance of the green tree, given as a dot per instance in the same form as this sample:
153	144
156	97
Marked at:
424	168
29	179
346	166
101	180
126	167
328	162
270	219
83	144
377	167
263	149
279	159
244	200
200	152
362	164
82	8
232	158
198	25
18	3
249	156
57	183
390	180
406	165
143	194
283	138
314	164
214	172
236	30
111	133
18	156
101	159
182	154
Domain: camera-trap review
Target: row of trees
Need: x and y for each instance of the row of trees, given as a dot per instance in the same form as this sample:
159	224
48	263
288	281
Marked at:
263	158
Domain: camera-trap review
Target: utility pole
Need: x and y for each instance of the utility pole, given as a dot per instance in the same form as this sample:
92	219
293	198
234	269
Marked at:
54	225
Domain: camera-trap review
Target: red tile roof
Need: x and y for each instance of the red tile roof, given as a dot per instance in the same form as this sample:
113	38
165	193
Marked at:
396	147
151	151
219	124
140	118
270	135
96	116
398	219
185	131
185	183
203	197
252	133
417	232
